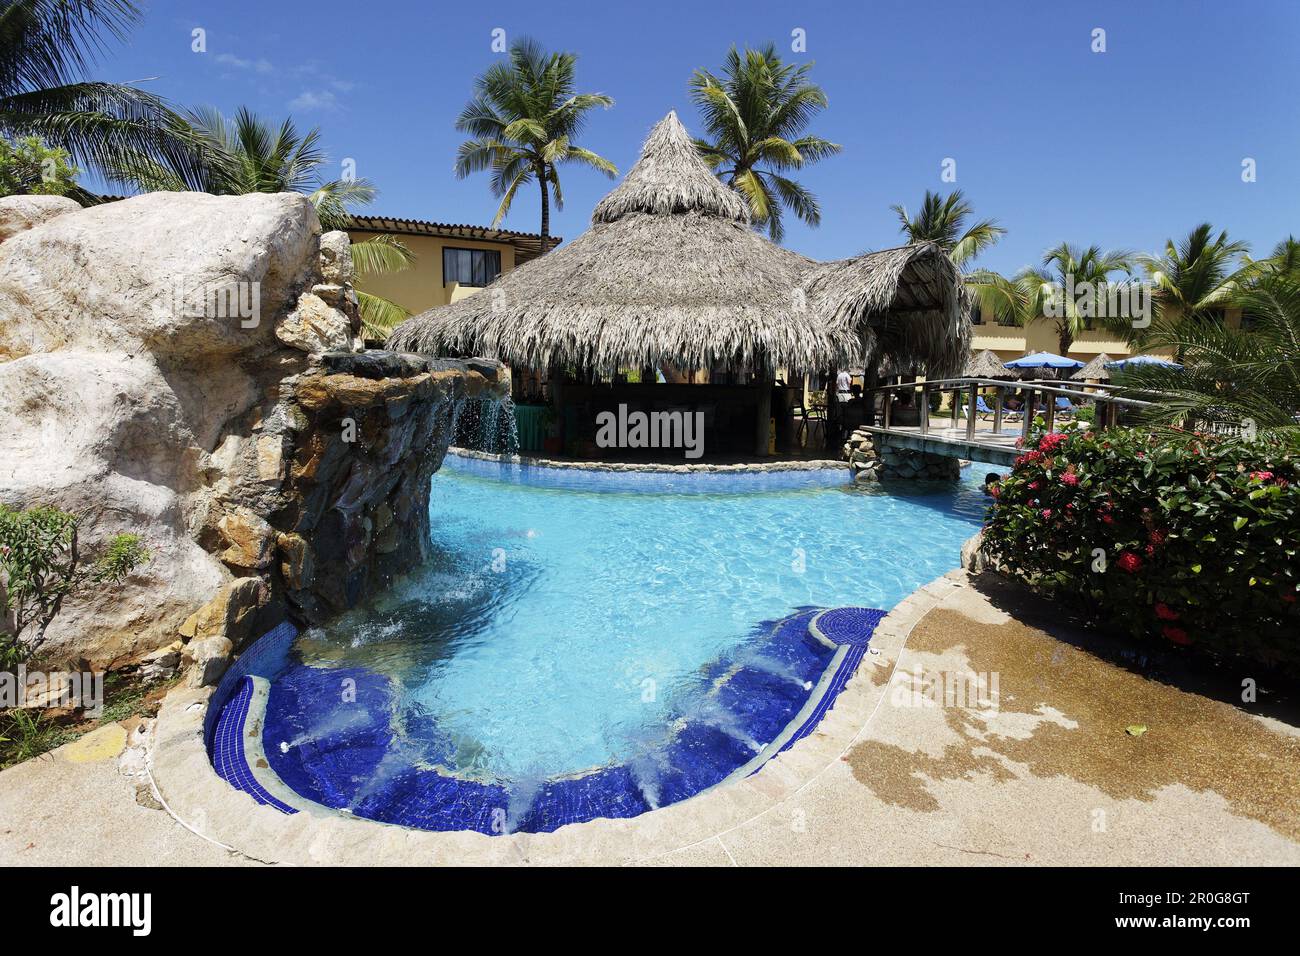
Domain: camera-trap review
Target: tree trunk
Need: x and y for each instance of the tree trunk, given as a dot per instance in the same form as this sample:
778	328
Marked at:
546	211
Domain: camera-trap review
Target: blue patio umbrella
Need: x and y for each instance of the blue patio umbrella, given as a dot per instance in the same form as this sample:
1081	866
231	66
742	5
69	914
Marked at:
1141	360
1043	360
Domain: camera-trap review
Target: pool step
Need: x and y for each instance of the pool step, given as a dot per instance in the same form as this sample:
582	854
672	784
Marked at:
841	626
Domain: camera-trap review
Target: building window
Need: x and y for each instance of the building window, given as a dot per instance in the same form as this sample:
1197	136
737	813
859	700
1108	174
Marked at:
475	267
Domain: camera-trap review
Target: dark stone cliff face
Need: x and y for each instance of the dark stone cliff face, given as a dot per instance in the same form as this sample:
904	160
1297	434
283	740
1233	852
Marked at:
334	499
357	486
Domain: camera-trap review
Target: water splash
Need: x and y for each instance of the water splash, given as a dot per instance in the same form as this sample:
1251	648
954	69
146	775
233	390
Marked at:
712	714
768	665
338	722
645	774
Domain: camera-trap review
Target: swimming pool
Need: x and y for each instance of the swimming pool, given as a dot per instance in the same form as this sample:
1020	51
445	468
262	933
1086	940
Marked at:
593	644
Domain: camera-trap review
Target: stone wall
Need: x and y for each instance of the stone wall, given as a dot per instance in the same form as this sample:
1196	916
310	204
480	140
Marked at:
873	459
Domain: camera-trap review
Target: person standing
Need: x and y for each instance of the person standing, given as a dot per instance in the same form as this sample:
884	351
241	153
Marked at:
843	387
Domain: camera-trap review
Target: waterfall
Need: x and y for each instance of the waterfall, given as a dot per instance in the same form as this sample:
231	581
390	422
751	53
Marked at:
488	425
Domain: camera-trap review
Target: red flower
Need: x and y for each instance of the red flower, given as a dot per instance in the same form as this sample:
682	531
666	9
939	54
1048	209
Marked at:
1070	478
1033	486
1156	537
1175	634
1260	475
1051	441
995	490
1128	561
1165	612
1047	512
1106	519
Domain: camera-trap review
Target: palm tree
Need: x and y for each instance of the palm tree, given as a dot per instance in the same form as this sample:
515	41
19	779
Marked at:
1034	292
1284	258
1228	374
1196	277
756	115
46	47
942	220
249	155
523	117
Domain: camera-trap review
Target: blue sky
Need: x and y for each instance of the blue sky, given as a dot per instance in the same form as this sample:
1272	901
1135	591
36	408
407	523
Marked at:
1122	148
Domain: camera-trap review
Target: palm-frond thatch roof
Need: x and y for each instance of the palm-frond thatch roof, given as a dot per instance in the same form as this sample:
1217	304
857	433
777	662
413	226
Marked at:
987	365
1095	370
671	272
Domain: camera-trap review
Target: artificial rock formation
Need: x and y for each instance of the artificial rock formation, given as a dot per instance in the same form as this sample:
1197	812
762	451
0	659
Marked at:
180	365
872	461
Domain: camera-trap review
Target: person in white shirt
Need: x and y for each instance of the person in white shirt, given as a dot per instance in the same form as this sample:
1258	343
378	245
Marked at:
843	384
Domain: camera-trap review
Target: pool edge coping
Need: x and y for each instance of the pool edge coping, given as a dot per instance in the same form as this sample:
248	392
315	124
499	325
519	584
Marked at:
537	461
206	804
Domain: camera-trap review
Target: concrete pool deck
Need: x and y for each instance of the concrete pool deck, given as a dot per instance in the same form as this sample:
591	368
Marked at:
1050	775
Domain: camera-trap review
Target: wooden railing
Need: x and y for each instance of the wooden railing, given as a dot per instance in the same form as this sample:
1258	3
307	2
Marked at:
1108	405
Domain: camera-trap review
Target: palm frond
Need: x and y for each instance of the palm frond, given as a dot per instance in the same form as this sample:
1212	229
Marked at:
379	316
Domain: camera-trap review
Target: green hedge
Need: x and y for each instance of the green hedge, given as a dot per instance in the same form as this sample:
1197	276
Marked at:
1178	536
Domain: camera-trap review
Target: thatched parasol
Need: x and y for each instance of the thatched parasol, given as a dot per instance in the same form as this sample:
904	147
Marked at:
987	365
1095	370
672	272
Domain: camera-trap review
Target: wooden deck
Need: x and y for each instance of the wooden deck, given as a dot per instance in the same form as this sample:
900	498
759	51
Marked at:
994	449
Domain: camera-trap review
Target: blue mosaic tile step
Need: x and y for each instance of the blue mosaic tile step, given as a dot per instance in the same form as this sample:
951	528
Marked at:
329	737
229	757
846	625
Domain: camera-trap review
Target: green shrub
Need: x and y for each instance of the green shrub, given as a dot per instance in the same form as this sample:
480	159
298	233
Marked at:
28	166
1085	413
1173	535
40	565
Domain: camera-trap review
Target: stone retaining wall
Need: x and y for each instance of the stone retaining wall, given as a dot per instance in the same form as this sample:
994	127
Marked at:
874	460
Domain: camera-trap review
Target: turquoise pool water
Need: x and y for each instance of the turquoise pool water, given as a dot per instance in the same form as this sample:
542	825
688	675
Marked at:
559	630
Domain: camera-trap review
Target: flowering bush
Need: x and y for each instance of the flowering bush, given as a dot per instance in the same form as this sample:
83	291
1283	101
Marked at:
1177	536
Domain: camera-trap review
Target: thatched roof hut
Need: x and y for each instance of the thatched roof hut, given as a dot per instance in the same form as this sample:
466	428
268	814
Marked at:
671	272
1095	370
987	365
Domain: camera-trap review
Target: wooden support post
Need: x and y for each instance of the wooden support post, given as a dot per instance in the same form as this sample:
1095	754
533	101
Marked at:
970	413
997	410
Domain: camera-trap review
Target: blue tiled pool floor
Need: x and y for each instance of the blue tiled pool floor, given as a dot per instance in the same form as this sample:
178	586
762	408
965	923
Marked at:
330	736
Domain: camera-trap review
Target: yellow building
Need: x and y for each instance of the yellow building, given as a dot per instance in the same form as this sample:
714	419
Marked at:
452	260
1012	341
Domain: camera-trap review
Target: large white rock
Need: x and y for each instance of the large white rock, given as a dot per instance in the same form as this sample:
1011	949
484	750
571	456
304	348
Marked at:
20	213
103	436
180	275
130	393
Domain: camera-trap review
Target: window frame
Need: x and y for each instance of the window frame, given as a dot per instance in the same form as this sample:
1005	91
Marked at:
472	252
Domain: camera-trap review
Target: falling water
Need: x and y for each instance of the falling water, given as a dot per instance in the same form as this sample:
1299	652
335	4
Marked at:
488	426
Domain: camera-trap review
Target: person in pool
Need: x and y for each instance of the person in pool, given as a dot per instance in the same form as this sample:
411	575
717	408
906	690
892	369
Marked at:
991	479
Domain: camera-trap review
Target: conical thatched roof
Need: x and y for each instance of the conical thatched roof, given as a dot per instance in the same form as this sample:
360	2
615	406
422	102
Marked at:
987	365
670	271
1095	370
